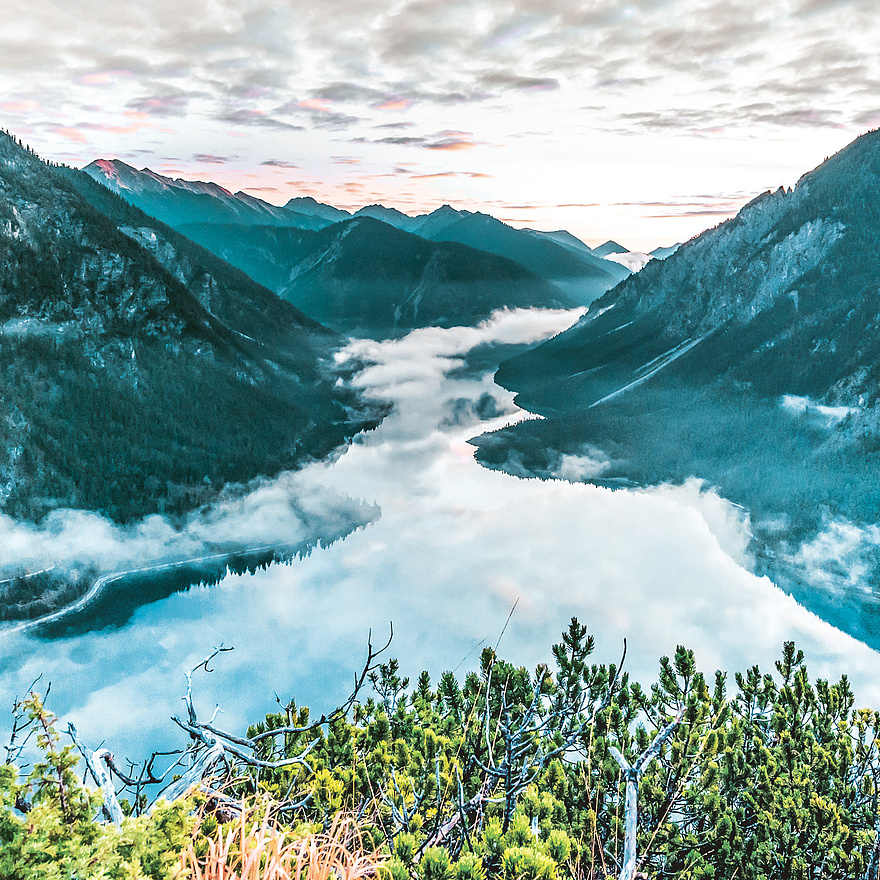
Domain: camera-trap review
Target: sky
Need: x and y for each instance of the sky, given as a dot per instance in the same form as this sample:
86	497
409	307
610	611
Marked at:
644	122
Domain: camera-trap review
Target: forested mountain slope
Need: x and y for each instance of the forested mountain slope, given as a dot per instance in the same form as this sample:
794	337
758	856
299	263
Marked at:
140	372
749	358
365	275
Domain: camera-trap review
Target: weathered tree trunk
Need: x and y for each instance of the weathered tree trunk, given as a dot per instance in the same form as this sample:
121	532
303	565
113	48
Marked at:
206	761
631	811
630	815
98	766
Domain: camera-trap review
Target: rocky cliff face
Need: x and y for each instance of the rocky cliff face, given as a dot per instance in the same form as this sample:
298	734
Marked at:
140	372
782	298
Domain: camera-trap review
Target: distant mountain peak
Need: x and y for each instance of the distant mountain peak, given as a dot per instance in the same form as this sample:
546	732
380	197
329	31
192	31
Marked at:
120	175
179	202
610	247
111	167
312	207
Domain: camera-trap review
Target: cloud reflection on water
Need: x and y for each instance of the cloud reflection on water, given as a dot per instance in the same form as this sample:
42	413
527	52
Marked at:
455	547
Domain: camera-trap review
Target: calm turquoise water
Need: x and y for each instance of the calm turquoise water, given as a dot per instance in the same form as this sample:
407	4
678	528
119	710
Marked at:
451	549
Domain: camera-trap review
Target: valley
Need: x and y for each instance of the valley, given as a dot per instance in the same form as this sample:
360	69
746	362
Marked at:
350	353
690	456
451	547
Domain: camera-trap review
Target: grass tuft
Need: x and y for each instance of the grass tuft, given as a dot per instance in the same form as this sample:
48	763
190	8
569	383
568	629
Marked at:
253	847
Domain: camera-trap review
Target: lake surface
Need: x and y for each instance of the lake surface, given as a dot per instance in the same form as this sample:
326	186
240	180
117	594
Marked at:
450	548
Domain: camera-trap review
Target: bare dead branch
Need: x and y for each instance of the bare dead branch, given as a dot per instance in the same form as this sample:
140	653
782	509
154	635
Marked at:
97	765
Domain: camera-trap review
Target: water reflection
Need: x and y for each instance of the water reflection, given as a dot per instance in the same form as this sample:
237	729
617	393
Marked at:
456	545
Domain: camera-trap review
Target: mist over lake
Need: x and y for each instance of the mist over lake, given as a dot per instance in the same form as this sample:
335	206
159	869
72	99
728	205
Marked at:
449	549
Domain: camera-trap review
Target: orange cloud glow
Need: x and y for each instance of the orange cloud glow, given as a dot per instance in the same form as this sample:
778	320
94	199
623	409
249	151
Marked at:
451	144
394	104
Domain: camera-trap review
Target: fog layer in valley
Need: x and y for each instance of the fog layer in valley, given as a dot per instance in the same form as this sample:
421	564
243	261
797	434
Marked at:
455	547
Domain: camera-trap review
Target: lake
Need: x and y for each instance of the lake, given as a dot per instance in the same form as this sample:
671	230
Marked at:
437	544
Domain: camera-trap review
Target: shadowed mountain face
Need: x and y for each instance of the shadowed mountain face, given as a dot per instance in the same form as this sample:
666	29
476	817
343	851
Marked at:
365	275
141	372
312	208
177	202
581	275
750	358
558	257
391	216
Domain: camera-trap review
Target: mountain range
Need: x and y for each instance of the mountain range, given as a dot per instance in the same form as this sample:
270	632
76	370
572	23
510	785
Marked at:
471	265
132	357
145	321
362	275
178	201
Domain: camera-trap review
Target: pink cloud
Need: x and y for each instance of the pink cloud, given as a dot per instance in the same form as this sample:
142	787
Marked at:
471	174
19	106
394	104
313	104
159	103
139	121
69	133
103	78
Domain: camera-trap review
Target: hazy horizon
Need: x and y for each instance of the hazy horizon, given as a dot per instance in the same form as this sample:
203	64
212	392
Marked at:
643	123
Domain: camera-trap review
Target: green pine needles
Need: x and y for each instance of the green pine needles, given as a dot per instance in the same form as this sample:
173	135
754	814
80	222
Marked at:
510	774
48	827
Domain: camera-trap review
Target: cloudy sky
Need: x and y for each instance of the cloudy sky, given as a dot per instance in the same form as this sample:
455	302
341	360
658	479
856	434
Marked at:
644	121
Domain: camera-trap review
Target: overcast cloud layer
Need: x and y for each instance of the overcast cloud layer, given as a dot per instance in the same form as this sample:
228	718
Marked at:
557	113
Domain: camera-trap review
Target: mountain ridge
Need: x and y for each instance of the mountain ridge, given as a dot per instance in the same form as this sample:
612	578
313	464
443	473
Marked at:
766	272
749	359
220	221
177	201
124	364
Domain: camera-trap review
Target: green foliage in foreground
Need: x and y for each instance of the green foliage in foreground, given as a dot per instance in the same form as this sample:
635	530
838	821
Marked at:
509	775
768	776
48	829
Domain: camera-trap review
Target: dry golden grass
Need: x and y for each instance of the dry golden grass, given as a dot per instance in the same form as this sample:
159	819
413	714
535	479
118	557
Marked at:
254	848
